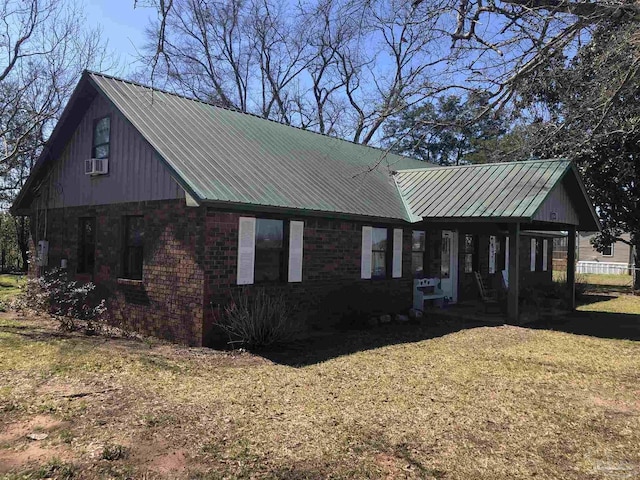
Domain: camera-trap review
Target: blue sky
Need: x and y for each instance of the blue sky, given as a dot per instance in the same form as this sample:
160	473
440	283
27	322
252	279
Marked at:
123	27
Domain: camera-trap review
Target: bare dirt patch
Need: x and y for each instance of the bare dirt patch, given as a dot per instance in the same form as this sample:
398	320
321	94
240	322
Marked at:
18	451
18	431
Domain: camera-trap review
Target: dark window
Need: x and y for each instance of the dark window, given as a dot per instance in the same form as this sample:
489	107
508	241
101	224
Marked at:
270	243
608	251
539	259
379	251
418	244
469	253
86	245
133	247
101	135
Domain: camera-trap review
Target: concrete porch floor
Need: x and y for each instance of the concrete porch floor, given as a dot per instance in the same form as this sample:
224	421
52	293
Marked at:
468	312
475	312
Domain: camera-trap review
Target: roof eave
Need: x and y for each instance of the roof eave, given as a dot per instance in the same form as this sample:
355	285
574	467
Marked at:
477	219
17	208
293	211
583	189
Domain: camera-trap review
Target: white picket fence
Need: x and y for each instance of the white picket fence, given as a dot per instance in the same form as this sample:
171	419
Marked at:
603	268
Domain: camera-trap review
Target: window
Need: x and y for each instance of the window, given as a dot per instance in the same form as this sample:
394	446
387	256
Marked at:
608	251
133	247
418	246
270	242
539	259
469	253
86	245
379	253
494	249
101	134
534	254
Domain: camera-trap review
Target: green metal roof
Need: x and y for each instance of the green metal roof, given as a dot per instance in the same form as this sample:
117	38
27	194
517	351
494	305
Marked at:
223	155
500	191
237	159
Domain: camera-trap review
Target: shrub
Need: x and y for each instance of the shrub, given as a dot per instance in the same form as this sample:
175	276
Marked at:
112	452
67	301
55	468
256	320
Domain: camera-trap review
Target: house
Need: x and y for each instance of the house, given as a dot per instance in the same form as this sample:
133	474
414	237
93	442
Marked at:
616	259
171	205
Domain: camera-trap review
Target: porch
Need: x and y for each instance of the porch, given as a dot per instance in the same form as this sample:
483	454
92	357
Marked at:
472	312
497	220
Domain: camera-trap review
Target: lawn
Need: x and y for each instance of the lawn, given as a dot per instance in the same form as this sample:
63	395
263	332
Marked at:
431	401
609	293
10	286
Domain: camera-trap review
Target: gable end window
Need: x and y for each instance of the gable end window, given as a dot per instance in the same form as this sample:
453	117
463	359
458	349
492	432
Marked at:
101	138
133	250
86	245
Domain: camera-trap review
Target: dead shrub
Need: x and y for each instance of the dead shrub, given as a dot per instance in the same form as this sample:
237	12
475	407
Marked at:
256	320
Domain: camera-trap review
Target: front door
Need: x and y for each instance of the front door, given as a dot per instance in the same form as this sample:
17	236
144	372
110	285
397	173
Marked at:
449	265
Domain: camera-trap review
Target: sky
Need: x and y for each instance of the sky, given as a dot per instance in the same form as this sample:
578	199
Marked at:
122	26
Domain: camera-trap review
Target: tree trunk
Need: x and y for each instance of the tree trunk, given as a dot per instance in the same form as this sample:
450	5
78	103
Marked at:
636	264
22	235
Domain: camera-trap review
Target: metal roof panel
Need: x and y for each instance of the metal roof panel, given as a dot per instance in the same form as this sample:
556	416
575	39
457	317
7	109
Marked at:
229	156
499	190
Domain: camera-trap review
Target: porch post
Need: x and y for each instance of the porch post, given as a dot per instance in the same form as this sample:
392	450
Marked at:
514	272
571	267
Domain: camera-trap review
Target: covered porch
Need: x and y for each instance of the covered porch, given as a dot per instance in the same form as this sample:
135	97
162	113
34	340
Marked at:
496	223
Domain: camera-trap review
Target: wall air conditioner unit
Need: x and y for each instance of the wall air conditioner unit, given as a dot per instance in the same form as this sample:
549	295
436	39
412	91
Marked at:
96	166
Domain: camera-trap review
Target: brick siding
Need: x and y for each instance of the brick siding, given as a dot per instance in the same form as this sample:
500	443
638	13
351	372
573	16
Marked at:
331	290
190	268
168	302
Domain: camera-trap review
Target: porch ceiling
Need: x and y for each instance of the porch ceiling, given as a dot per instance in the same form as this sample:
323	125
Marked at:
499	192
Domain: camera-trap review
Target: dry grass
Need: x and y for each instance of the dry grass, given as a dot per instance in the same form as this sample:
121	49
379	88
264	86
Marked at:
610	294
608	280
483	403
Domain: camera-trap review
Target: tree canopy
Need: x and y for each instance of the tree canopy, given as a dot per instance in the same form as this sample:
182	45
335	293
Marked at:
449	131
584	116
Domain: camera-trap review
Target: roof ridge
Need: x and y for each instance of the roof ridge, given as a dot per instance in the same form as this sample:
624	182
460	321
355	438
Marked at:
488	164
235	110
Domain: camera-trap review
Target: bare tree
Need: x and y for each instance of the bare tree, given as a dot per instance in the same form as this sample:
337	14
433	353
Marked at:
44	46
322	64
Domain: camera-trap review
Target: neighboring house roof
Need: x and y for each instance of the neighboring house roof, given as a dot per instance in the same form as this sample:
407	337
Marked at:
506	192
231	158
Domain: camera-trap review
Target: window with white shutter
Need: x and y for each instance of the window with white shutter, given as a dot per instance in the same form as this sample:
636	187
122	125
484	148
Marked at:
533	255
246	250
397	253
296	232
365	265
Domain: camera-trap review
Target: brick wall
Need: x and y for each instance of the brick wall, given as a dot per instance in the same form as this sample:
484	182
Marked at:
331	290
168	302
190	268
